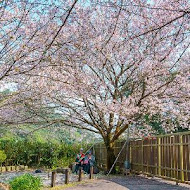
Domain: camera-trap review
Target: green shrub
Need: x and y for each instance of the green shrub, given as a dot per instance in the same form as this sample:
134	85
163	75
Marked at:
2	156
34	153
26	182
63	162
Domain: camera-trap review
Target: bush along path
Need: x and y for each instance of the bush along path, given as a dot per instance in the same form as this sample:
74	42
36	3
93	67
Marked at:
26	182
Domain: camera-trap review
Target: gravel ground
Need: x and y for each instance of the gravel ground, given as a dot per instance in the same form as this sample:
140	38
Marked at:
130	183
104	183
60	178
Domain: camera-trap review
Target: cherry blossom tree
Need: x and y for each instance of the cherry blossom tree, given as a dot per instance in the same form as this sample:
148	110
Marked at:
27	31
112	64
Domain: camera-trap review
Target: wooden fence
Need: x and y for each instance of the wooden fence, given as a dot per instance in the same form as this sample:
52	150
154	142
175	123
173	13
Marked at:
66	172
166	156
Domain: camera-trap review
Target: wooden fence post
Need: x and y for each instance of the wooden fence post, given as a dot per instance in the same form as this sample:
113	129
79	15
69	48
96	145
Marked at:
91	172
80	174
66	176
53	178
181	158
159	156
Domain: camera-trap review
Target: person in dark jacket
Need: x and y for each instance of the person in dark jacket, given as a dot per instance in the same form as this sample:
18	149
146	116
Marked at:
79	161
89	161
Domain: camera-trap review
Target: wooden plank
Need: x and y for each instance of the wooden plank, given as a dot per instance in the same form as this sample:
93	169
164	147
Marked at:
161	152
171	156
165	156
185	158
178	158
188	162
181	158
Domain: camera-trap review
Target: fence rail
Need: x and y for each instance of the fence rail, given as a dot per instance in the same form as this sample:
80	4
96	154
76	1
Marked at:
166	156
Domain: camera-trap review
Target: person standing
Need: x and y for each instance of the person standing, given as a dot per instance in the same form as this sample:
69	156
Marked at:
86	163
79	161
91	161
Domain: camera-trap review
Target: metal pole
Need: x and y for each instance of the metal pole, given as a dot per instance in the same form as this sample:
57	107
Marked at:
127	152
119	153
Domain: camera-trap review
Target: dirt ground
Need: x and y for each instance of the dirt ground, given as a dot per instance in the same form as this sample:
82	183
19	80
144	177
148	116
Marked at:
130	183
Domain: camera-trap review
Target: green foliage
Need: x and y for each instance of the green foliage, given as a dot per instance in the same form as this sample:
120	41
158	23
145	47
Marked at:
155	122
63	162
34	152
53	147
55	134
3	156
26	182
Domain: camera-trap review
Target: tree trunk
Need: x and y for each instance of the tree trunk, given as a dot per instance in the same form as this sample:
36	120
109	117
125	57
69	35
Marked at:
110	158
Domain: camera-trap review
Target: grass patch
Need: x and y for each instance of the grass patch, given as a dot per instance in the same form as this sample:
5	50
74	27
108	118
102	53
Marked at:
62	187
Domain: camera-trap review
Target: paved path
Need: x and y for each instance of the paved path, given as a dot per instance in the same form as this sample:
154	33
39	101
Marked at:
128	183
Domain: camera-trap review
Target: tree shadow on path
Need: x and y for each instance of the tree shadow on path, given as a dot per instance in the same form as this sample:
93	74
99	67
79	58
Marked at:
142	183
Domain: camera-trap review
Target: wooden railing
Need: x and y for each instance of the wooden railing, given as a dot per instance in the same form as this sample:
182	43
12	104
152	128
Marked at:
66	172
166	156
